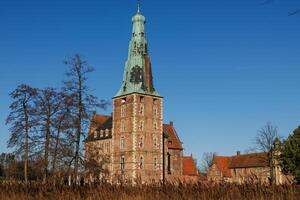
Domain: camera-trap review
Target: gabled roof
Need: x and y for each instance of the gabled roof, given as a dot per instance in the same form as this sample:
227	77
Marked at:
99	122
100	119
189	166
249	160
222	163
173	139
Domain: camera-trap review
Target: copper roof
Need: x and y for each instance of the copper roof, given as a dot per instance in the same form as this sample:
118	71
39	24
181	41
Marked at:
189	166
173	139
249	160
222	163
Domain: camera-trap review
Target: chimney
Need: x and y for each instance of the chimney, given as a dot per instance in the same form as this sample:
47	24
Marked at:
238	153
171	123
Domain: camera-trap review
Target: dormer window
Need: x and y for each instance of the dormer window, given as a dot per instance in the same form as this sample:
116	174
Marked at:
95	135
106	132
101	133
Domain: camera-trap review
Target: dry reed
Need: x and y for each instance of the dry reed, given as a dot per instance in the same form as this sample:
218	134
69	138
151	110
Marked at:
205	191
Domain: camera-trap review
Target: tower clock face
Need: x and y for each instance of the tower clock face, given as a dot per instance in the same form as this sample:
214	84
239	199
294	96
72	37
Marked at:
136	74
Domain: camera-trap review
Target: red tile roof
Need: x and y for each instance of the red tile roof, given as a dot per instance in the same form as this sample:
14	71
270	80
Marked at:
173	139
225	163
249	160
189	166
99	121
222	163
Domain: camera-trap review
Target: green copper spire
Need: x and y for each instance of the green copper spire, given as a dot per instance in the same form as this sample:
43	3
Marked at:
137	74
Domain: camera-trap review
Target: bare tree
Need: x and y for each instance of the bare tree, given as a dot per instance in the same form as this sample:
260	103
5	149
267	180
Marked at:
21	120
62	126
266	137
265	140
207	161
82	102
48	104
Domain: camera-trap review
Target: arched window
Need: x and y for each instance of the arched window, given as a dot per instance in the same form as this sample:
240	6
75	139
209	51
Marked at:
123	110
142	110
155	111
155	142
155	126
141	125
141	142
122	126
141	162
122	142
155	163
122	163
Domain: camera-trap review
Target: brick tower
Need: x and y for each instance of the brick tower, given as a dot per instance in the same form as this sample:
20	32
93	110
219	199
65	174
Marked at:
137	115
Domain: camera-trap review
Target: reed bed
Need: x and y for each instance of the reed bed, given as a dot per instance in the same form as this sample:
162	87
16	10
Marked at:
205	191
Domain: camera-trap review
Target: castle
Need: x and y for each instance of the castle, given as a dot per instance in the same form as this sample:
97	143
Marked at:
134	144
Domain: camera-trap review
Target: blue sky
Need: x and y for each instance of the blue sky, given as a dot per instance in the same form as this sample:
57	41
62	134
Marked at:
225	68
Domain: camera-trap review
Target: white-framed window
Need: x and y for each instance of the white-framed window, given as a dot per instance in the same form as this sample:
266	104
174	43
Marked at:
101	133
155	164
122	126
141	125
122	142
106	132
95	134
141	164
141	142
123	110
108	147
122	163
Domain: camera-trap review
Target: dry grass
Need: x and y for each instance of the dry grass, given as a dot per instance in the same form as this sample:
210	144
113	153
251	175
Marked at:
18	191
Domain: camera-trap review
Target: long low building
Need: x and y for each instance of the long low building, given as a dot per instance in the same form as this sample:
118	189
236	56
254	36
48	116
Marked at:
242	168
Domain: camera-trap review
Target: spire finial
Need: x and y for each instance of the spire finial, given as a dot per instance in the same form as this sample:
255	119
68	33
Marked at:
138	6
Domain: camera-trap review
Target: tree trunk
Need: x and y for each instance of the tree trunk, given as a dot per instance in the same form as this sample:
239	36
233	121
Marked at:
26	144
47	142
55	150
